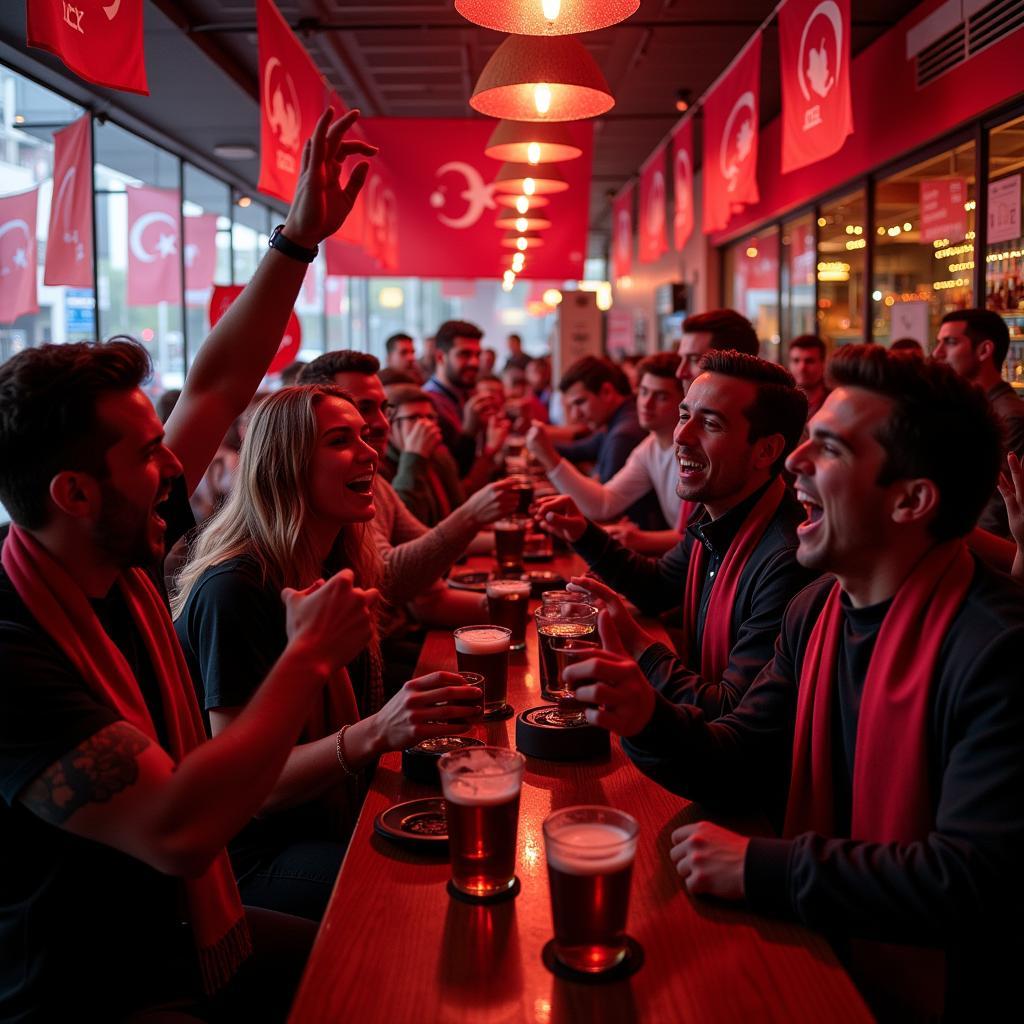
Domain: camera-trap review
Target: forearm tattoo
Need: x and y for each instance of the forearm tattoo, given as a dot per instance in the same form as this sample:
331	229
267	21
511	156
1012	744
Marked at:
92	773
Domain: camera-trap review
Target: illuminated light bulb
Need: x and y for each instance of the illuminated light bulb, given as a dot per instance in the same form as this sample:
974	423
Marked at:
522	205
522	224
529	186
506	285
552	297
551	9
752	252
533	153
542	97
908	226
521	244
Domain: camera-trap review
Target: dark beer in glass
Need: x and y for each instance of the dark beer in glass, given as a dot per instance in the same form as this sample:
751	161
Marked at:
568	650
474	708
524	490
590	851
509	542
484	650
481	788
555	622
507	605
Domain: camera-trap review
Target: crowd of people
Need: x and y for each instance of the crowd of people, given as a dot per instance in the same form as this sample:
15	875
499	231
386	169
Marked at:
186	736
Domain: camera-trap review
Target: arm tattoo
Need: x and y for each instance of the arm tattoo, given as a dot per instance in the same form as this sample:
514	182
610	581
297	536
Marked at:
93	772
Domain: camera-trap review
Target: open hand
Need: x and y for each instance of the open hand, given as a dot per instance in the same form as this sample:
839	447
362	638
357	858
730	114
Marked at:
634	639
493	501
423	708
558	515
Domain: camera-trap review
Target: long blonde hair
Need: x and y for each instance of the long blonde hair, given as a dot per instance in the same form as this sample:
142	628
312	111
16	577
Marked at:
266	510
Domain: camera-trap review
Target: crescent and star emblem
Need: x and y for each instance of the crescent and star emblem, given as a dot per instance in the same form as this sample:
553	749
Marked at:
20	256
167	244
110	10
478	196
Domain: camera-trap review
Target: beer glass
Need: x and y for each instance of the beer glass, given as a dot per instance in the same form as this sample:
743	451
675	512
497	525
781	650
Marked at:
484	650
570	619
509	541
474	708
557	597
507	604
568	650
590	851
524	491
481	790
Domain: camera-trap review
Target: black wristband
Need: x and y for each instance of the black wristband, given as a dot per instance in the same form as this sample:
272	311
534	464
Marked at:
285	245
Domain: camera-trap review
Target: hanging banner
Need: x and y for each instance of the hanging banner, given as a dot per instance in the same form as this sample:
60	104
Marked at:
69	241
292	98
622	234
682	183
100	40
200	257
653	231
222	297
814	50
443	209
154	261
731	126
18	255
942	202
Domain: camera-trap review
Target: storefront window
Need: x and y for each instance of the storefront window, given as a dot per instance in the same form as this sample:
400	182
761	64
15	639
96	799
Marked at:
840	269
924	246
798	276
250	232
1004	252
752	286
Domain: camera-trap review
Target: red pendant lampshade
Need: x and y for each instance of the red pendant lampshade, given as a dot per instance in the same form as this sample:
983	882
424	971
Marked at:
511	240
521	203
522	179
513	221
540	78
546	17
532	142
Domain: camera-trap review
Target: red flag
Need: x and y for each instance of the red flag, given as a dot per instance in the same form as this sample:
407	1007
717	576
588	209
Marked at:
682	183
100	40
292	98
154	262
69	241
814	51
731	128
622	234
222	297
653	229
200	257
18	255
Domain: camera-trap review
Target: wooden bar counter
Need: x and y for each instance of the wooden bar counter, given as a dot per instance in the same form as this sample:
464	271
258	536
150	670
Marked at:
394	947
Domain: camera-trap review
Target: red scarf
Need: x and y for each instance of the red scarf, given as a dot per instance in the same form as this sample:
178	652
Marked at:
686	510
892	800
62	609
717	640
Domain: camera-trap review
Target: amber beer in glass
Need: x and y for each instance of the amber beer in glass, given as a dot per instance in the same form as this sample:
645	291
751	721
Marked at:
481	790
555	622
509	542
507	604
590	851
524	491
484	650
568	650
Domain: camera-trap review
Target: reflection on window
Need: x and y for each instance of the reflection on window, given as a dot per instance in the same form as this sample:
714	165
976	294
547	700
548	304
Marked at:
752	286
840	269
798	277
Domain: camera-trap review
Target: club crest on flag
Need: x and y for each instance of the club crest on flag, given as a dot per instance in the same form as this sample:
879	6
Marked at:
738	139
818	68
283	114
478	195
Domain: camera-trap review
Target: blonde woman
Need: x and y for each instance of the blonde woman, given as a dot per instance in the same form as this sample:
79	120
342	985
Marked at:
297	513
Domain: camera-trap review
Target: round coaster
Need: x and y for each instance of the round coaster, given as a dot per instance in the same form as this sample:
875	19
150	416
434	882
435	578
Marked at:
499	714
629	965
498	897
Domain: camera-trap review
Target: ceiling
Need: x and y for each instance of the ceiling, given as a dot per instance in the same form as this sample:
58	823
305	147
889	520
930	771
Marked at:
402	58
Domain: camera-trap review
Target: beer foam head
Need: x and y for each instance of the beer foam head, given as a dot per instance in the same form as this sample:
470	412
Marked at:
499	588
590	848
510	526
478	777
482	640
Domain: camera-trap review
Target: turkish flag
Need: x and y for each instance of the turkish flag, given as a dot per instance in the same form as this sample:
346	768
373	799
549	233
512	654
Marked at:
653	229
200	257
100	40
445	210
814	51
69	240
731	126
622	234
292	98
682	183
154	260
222	297
18	255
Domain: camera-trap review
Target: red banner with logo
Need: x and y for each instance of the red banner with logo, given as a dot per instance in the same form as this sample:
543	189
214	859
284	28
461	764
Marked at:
622	234
69	241
444	204
731	126
814	50
942	209
682	183
653	228
292	98
18	255
200	257
154	260
100	40
222	297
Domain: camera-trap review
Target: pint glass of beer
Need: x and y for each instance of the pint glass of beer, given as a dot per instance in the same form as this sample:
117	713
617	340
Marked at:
481	790
507	604
571	619
568	650
474	708
590	851
484	650
524	492
509	542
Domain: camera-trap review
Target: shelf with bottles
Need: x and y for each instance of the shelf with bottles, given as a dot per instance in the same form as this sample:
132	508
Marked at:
1013	367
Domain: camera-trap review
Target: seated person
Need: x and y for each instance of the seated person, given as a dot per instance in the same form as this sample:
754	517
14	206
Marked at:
650	468
597	394
716	330
538	377
299	513
886	731
401	355
521	405
735	570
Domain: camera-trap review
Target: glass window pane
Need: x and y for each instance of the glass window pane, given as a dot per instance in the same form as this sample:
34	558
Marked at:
250	232
752	286
798	277
924	246
840	269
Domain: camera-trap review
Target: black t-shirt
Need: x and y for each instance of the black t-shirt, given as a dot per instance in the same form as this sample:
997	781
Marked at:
81	924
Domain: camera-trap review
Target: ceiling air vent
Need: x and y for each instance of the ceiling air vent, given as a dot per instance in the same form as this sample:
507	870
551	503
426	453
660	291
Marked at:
987	23
939	57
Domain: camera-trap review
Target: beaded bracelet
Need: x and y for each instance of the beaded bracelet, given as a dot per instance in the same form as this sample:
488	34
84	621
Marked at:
340	750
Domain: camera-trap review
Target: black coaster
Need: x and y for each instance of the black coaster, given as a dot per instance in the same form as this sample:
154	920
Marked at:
498	897
628	966
499	714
